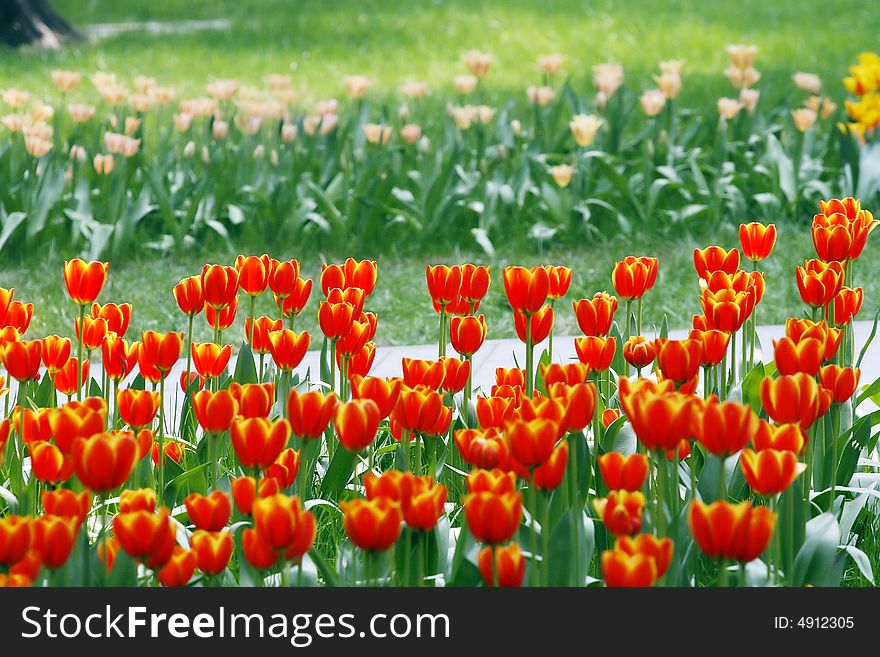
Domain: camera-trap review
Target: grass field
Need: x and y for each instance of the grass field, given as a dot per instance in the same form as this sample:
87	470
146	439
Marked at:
319	42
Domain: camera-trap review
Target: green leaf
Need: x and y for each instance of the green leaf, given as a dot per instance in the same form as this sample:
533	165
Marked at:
245	367
338	474
863	563
571	549
751	387
814	563
323	568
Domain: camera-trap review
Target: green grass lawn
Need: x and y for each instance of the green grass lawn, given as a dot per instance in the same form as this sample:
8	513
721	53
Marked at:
319	42
401	298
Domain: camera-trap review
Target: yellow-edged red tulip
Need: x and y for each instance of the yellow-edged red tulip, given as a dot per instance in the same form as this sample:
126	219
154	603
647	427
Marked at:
66	503
18	316
285	467
76	420
475	281
794	398
503	566
137	408
792	357
535	327
54	537
493	518
16	536
595	316
621	511
253	273
257	332
373	525
494	412
456	374
288	348
419	372
841	382
55	353
423	507
160	351
253	399
444	283
658	549
482	448
91	331
146	536
580	402
384	392
257	552
724	428
246	490
22	358
362	362
621	472
550	474
679	360
770	471
48	463
418	409
141	499
569	374
526	289
819	282
214	411
258	442
560	280
67	379
212	549
633	276
495	481
179	568
727	310
117	316
467	334
283	277
296	301
210	359
531	442
757	240
620	569
847	304
595	352
84	280
357	422
783	437
723	530
310	412
117	358
335	318
715	258
660	421
189	297
105	460
223	318
639	352
219	285
714	345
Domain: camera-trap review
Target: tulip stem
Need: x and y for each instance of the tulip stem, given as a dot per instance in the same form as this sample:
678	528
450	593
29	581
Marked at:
732	359
79	352
722	481
639	316
545	535
530	355
161	439
253	323
722	574
494	566
533	511
332	365
441	340
189	339
468	391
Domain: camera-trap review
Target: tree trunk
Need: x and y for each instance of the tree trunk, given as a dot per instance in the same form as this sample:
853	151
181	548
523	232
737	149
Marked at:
24	22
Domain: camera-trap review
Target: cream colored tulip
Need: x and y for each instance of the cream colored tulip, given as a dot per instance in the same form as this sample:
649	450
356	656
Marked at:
356	86
77	154
607	78
410	133
277	81
223	89
141	102
807	82
162	95
144	84
414	89
132	123
804	118
182	121
742	78
37	147
652	101
329	106
550	64
584	128
562	174
742	56
66	81
13	122
376	133
748	98
15	98
671	67
41	112
104	164
289	132
478	63
189	149
540	96
80	112
728	108
669	84
464	84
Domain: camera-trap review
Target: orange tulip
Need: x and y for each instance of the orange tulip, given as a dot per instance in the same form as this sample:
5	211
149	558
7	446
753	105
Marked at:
356	423
210	513
55	352
351	274
495	481
658	549
832	236
634	276
219	285
189	297
253	273
481	448
256	551
841	382
54	538
531	442
66	379
246	490
560	280
727	310
428	373
117	316
847	304
14	580
467	334
724	428
137	408
160	351
569	374
620	569
283	277
105	460
493	518
714	345
288	348
91	331
418	409
259	335
223	318
770	471
384	392
804	329
362	362
594	316
456	374
67	504
22	359
76	420
284	469
212	549
792	357
550	475
731	531
310	412
353	341
18	316
373	525
621	511
715	258
660	421
539	324
293	304
253	399
179	569
444	283
679	360
49	464
84	281
335	318
173	450
494	412
782	437
610	416
142	499
116	357
475	281
5	299
794	398
393	484
16	535
424	506
214	411
757	240
818	282
860	222
639	352
527	289
580	404
146	536
502	566
258	441
595	352
621	472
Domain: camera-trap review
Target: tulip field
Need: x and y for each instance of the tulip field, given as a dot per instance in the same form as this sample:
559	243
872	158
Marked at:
197	448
